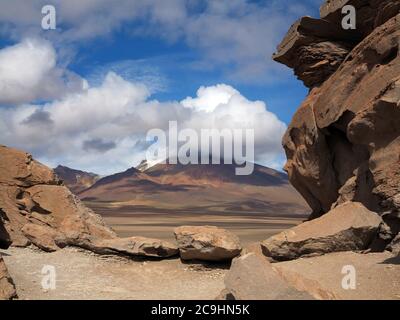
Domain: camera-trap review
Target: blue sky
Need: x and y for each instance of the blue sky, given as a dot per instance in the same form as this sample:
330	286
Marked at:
171	48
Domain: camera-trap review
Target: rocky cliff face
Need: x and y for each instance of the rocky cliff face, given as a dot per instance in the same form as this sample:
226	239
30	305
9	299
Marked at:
343	143
36	208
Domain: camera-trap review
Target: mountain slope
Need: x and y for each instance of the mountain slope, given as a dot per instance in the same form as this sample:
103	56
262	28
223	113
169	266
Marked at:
198	188
76	180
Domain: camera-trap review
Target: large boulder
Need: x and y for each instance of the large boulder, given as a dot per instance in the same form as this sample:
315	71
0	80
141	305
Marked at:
345	275
7	287
206	243
348	227
252	277
137	246
38	209
343	143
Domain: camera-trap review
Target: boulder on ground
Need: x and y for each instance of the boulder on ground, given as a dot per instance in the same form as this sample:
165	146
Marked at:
7	288
207	243
347	227
136	246
252	277
345	275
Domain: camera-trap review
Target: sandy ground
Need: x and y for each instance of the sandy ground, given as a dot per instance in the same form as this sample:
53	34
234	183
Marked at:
376	275
248	228
83	275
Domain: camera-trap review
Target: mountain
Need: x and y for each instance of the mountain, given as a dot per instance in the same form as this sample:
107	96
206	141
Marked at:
198	188
143	166
76	180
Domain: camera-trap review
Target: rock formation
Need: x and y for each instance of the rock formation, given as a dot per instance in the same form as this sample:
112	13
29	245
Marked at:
206	243
343	143
252	277
348	227
38	209
7	288
137	246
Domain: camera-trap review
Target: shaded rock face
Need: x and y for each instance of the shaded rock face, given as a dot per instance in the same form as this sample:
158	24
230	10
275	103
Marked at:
343	143
348	227
315	48
206	243
252	277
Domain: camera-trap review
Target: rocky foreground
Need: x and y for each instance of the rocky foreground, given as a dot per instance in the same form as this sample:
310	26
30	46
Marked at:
343	150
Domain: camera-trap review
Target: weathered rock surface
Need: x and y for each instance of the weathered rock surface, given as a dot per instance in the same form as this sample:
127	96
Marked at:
36	208
252	277
7	288
370	13
343	143
137	246
348	227
377	275
206	243
394	246
314	48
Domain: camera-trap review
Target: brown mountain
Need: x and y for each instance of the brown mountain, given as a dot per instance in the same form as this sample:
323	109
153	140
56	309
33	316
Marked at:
76	180
198	188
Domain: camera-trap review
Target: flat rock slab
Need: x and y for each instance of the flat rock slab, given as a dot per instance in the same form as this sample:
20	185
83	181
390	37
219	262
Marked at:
252	277
377	275
348	227
206	243
84	275
137	246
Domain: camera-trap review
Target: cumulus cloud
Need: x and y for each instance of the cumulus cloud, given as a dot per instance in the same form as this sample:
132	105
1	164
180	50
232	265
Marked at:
238	36
28	72
113	119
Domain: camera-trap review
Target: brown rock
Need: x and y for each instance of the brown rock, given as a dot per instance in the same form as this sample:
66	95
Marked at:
252	277
377	275
206	243
43	236
394	246
370	13
7	287
343	142
314	48
35	208
348	227
137	246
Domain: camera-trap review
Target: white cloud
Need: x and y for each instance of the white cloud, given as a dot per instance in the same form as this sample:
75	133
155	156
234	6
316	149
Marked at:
238	36
28	72
103	129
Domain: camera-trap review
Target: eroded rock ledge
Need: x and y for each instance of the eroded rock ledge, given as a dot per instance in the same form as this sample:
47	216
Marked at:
36	208
343	143
315	48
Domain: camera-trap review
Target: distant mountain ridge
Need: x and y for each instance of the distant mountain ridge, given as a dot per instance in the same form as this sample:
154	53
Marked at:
76	180
211	187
